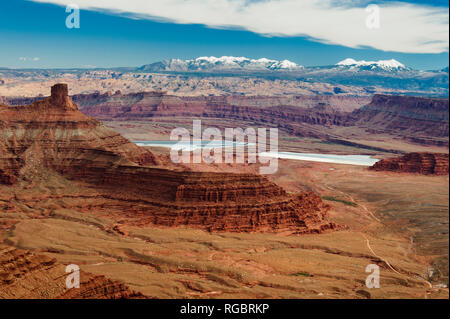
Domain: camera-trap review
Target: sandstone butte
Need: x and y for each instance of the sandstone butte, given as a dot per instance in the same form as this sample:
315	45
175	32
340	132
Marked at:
421	163
53	135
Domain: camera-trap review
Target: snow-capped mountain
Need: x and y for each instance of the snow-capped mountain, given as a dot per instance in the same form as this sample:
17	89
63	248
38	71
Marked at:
223	63
231	63
385	65
389	74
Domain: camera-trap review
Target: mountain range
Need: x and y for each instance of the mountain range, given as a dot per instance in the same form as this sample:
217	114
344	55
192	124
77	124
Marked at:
238	75
386	65
230	63
223	63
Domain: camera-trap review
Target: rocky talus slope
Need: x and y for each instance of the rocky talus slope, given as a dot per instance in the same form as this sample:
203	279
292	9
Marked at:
422	163
25	275
54	135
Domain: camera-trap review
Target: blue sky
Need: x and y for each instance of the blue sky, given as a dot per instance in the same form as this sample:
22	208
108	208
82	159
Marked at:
133	33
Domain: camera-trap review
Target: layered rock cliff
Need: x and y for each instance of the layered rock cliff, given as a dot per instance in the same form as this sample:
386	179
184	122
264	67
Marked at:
421	163
415	119
285	113
53	134
418	119
295	114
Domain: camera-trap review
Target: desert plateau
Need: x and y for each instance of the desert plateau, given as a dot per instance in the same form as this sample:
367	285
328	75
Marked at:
75	191
224	150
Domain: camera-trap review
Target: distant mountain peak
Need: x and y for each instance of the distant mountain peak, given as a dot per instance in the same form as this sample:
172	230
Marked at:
387	65
213	63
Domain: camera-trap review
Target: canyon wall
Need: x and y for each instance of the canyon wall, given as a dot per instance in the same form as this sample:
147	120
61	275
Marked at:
280	112
414	118
307	109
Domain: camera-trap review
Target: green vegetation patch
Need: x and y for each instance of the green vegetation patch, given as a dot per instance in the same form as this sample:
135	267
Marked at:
302	274
343	201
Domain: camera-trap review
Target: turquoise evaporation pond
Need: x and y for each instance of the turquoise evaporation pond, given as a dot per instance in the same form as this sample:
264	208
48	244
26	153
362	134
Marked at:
190	146
363	160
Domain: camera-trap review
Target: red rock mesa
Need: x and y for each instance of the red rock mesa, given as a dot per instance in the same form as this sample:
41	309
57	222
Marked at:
422	163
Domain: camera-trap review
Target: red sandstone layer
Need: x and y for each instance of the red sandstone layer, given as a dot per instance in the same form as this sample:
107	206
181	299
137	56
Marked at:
25	275
422	163
414	118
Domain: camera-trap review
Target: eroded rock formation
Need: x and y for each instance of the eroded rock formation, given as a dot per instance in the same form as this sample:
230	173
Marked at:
422	163
420	120
285	113
415	119
53	134
25	275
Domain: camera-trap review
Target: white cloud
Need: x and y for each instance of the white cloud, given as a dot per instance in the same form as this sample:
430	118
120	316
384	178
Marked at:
403	27
24	58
